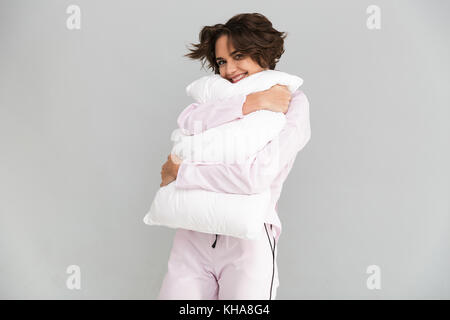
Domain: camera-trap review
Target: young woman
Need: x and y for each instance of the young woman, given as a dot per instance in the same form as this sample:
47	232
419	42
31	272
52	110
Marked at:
206	266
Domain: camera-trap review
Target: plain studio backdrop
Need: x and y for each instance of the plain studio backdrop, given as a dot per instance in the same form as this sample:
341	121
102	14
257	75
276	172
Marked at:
85	122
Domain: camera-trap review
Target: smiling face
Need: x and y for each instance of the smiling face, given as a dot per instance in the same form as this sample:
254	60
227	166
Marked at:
233	66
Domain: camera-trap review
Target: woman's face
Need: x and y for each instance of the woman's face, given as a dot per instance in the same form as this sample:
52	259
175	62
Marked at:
232	65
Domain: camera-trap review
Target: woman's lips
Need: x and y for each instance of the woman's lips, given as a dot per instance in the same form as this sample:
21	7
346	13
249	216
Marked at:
239	77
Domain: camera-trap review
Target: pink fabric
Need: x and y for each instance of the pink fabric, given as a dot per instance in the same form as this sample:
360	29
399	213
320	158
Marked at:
212	114
236	269
257	174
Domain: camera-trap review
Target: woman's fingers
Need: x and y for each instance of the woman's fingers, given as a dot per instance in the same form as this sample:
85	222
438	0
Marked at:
277	98
166	176
166	180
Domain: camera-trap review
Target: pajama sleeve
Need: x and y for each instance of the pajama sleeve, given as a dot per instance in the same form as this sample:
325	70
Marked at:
257	173
198	117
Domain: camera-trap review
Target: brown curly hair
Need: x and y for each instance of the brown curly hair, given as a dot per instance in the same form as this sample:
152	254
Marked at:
251	34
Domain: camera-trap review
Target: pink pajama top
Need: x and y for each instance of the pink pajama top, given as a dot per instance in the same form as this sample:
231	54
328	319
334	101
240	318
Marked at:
257	174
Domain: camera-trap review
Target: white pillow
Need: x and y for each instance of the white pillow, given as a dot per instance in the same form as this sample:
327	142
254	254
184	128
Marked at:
211	212
232	142
215	87
220	213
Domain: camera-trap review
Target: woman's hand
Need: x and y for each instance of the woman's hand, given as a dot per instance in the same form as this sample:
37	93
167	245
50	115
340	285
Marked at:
169	170
276	99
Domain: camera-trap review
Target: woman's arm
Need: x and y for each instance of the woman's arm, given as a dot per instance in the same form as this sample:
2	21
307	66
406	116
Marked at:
198	117
257	174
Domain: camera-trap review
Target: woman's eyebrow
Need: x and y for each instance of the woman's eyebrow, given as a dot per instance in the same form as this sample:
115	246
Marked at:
220	58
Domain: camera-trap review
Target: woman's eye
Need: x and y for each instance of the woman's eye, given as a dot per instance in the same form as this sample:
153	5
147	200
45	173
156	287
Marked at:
237	56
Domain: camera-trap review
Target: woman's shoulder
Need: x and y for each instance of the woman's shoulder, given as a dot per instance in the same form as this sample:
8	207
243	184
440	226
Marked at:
299	100
299	94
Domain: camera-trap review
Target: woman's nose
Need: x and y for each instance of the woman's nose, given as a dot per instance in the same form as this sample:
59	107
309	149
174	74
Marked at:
231	68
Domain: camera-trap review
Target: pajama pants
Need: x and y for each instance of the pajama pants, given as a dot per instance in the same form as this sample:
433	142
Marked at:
204	266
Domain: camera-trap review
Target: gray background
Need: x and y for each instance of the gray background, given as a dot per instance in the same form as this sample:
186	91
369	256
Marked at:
85	123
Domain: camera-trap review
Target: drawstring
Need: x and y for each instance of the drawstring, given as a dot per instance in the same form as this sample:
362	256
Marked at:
214	244
273	257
